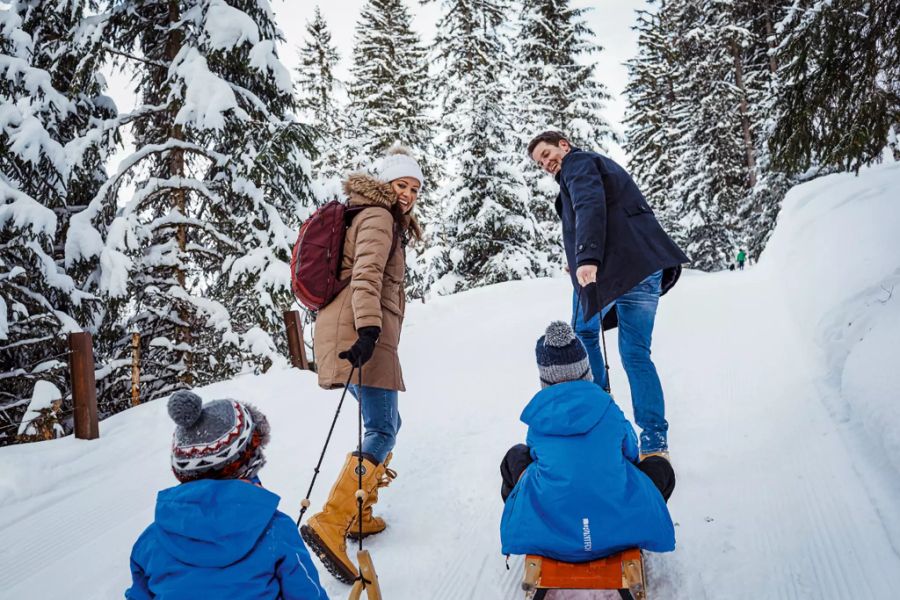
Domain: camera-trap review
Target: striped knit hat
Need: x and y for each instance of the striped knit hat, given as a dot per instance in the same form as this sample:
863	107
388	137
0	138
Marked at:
223	439
561	356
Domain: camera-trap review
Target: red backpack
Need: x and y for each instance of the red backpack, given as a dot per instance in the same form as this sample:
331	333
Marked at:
316	259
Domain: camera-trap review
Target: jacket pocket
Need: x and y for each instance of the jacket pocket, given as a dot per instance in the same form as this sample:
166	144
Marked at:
637	207
392	307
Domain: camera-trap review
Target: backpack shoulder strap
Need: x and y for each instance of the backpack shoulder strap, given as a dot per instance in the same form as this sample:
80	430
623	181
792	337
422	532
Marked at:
352	211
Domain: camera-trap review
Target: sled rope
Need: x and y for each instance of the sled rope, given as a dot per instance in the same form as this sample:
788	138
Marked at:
580	306
605	360
305	502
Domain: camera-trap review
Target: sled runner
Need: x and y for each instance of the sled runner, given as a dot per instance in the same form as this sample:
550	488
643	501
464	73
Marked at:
623	571
368	579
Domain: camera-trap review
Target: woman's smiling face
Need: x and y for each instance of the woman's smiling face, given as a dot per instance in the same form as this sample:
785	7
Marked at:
407	191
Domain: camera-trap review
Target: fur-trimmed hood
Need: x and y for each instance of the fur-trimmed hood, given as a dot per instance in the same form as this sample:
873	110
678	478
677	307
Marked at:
363	189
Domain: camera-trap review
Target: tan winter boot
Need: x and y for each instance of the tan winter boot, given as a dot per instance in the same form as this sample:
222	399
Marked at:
370	523
325	531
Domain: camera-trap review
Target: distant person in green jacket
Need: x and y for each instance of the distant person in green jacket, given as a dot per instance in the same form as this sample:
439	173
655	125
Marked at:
741	258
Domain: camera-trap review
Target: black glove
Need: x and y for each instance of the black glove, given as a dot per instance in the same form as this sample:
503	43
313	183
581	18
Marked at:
360	352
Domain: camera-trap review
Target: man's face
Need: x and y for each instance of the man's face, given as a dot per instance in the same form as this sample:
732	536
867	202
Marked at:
549	157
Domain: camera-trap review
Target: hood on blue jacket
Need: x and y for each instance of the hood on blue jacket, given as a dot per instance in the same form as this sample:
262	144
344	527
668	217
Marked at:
570	408
213	523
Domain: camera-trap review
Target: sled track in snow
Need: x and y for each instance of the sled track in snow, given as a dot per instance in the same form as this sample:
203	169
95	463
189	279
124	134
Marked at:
479	572
788	516
770	503
63	525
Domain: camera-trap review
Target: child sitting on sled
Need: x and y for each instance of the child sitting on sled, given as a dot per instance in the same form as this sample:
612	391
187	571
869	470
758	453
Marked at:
575	491
219	533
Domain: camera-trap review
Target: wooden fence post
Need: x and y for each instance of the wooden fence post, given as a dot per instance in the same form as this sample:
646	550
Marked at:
84	386
295	340
135	369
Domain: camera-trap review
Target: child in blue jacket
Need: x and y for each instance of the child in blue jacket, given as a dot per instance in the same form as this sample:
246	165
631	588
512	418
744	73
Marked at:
576	491
219	534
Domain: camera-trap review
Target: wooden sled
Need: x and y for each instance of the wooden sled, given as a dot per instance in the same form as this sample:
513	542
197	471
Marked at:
366	570
623	572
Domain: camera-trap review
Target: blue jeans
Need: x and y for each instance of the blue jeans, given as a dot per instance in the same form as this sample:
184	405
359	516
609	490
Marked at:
636	310
381	419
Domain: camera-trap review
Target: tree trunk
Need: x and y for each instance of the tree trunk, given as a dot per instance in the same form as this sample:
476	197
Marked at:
179	202
770	37
745	119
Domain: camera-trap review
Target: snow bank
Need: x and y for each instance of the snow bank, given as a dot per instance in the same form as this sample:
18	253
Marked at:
836	254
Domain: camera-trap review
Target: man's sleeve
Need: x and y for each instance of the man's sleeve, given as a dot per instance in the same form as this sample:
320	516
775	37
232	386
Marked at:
585	185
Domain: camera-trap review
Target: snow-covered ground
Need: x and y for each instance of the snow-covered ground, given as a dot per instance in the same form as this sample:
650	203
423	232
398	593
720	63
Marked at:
782	391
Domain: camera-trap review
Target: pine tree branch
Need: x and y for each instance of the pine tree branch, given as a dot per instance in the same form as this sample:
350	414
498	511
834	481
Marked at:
138	113
137	157
112	50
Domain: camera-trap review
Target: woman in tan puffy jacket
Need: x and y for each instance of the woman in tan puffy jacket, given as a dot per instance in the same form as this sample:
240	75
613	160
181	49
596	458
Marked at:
361	328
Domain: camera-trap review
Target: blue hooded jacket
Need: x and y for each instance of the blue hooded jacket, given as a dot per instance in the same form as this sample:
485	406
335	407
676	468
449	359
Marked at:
582	498
221	539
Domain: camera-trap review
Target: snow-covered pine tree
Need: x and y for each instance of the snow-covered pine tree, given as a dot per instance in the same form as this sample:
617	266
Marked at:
838	97
711	175
649	118
692	59
316	84
389	93
489	228
220	173
390	103
553	45
557	89
698	126
49	169
758	210
267	191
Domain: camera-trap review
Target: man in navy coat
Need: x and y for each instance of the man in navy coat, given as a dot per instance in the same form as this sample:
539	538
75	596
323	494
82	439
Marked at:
620	260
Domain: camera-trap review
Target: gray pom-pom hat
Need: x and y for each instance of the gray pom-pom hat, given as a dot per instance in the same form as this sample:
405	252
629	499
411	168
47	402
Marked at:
222	439
561	356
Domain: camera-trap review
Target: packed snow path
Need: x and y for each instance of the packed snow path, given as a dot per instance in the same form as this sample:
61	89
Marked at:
768	504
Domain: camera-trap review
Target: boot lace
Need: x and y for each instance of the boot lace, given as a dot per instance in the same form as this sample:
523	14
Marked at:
386	479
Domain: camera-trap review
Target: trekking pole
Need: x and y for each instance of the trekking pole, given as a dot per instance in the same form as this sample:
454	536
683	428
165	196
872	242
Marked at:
305	502
368	579
359	470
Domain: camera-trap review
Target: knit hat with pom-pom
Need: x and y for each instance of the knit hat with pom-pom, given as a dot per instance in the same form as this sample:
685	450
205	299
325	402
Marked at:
222	439
561	356
398	162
